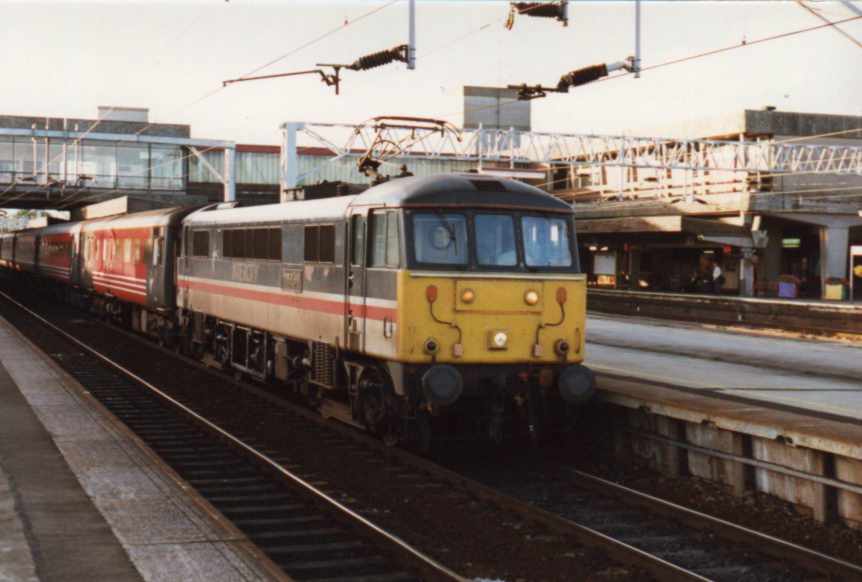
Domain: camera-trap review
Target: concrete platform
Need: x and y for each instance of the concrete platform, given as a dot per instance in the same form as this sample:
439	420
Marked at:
815	375
82	499
774	415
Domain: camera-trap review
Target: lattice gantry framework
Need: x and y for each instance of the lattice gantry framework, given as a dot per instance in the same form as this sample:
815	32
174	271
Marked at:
395	143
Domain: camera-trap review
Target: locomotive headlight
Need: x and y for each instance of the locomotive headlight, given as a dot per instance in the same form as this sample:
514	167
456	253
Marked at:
468	296
498	340
531	297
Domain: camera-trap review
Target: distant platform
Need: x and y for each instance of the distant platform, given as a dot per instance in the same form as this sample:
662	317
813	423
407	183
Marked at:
82	500
799	315
814	375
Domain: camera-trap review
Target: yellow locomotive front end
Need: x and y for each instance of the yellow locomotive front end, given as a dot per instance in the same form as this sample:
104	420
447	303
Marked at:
491	317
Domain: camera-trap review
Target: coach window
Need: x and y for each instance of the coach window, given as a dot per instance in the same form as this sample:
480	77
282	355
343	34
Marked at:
260	244
274	244
385	247
200	243
312	251
320	244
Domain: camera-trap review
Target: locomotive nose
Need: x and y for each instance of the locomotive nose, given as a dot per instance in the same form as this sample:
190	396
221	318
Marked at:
577	384
442	385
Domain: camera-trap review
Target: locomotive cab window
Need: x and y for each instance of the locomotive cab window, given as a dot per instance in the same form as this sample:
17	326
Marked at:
546	241
440	239
496	245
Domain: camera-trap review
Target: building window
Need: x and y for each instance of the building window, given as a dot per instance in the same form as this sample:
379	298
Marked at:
320	244
200	243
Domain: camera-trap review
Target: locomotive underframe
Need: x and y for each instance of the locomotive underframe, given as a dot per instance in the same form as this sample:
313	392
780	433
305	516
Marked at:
384	397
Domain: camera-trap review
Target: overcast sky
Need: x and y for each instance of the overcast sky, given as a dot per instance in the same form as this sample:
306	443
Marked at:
66	58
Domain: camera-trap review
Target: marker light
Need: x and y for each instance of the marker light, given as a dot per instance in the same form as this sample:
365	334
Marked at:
468	296
531	297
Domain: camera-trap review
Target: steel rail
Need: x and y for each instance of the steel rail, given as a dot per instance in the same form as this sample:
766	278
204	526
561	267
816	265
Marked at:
767	544
392	538
617	550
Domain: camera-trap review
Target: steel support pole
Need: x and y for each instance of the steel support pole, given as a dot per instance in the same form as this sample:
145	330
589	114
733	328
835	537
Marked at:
637	63
290	156
229	174
852	7
411	46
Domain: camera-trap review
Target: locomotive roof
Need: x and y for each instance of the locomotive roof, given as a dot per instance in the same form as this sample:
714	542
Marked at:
461	190
433	191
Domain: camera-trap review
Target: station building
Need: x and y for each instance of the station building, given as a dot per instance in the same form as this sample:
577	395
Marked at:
791	235
798	234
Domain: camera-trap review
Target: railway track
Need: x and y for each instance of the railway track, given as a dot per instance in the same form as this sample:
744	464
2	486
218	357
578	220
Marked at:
649	537
708	548
310	535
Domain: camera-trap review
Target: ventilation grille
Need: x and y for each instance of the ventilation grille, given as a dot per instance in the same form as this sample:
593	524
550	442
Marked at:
323	364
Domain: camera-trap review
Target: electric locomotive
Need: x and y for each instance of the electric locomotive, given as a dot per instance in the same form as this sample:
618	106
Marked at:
416	306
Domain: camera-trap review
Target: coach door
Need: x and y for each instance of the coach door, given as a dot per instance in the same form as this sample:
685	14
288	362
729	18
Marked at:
156	272
354	306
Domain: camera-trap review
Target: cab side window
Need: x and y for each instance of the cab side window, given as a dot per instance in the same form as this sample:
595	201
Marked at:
385	239
357	230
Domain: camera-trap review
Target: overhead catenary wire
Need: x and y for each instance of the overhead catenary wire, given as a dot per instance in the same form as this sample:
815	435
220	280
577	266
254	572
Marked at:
216	90
843	33
694	56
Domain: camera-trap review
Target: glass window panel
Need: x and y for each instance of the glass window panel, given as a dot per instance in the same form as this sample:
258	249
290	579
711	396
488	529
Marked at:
327	243
99	162
56	166
275	244
132	166
261	244
495	240
440	238
312	252
358	230
24	156
256	168
199	172
546	242
227	243
166	167
7	159
378	240
201	243
393	249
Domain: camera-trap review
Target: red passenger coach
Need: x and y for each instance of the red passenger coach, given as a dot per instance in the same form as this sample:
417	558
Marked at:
131	257
58	252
